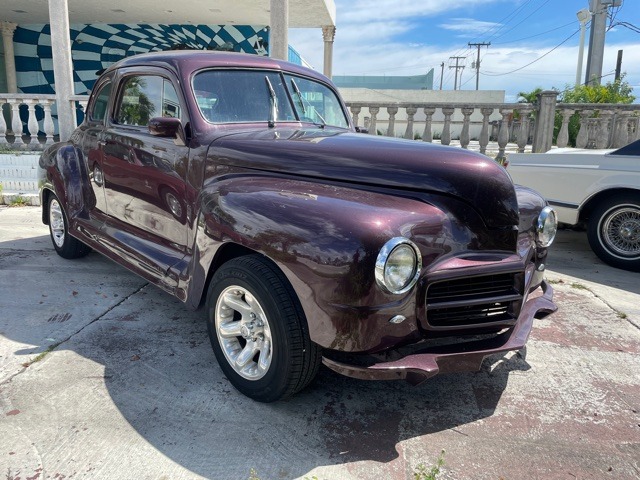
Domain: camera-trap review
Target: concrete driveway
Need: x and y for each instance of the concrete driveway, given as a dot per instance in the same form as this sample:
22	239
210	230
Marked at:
130	389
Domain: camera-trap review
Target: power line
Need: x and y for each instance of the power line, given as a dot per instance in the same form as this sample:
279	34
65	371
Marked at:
537	59
521	21
536	35
628	25
498	25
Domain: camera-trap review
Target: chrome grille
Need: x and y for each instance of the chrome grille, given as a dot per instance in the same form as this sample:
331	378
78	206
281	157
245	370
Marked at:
474	301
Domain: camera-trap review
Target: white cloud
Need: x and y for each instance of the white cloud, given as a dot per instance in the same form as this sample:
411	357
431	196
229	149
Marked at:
362	11
367	43
470	26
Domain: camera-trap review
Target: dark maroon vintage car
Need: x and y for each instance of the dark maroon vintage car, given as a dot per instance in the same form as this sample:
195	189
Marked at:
238	182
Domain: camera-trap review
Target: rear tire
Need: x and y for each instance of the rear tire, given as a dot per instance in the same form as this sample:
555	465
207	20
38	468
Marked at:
258	330
66	246
614	231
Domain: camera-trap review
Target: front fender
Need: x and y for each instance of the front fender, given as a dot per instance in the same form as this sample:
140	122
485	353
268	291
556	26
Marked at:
326	240
63	170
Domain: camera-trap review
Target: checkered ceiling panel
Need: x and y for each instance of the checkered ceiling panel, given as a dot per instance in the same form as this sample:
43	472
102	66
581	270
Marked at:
95	47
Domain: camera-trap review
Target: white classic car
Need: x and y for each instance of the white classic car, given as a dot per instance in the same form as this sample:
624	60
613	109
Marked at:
596	188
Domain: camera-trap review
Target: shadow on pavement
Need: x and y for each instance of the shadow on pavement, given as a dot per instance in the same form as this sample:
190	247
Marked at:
161	374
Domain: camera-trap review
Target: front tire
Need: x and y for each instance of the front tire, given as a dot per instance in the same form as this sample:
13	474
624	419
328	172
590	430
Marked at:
66	246
614	231
258	330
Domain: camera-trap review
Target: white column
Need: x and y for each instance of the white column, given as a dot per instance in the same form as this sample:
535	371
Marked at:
328	34
279	29
9	59
62	66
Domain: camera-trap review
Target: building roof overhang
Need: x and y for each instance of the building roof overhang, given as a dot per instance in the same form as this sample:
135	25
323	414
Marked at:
302	13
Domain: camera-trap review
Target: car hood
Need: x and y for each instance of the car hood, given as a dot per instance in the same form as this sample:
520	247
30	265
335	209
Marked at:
334	155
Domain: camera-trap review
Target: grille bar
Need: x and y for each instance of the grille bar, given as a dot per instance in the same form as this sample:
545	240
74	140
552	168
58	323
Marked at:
473	301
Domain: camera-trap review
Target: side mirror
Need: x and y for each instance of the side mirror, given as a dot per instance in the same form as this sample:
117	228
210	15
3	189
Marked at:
362	130
168	127
165	127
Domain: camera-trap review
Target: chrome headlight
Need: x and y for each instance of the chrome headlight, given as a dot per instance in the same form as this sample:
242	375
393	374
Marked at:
547	227
398	265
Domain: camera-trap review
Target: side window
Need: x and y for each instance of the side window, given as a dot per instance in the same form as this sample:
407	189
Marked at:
101	103
170	102
141	100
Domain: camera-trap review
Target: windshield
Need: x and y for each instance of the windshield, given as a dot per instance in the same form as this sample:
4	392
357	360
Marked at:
237	96
316	102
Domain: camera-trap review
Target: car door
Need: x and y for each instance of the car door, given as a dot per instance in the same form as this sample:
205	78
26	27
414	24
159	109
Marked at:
144	175
92	142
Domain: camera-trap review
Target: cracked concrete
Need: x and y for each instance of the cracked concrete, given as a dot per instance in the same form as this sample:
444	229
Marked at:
133	389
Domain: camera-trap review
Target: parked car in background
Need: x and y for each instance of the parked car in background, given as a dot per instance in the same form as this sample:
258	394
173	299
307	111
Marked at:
239	183
596	188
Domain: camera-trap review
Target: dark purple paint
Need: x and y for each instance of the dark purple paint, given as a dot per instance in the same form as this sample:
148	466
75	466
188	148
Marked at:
320	203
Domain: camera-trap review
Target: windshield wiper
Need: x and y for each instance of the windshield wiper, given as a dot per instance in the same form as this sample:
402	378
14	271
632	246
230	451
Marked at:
273	113
299	94
304	110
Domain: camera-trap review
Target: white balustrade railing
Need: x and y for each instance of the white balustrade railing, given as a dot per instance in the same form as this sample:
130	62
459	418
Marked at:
500	122
600	125
29	122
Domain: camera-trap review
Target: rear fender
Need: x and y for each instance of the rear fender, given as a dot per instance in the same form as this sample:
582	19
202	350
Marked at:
64	171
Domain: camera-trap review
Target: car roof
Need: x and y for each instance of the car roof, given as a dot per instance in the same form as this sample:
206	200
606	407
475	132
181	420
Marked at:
632	149
184	62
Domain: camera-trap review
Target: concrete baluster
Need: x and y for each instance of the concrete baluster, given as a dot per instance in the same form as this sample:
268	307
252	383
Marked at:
427	135
583	133
3	125
32	123
391	129
16	123
373	121
48	125
411	112
593	125
634	133
445	139
563	135
464	134
603	139
523	132
484	132
355	112
621	130
503	135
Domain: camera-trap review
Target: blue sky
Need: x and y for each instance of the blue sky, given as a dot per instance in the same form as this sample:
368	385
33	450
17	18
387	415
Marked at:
409	37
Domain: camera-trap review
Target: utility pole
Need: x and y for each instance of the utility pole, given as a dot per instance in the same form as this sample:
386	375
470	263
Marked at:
441	74
619	65
478	60
457	67
599	10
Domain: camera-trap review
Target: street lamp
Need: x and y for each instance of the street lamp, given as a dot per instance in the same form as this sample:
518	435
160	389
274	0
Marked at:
583	17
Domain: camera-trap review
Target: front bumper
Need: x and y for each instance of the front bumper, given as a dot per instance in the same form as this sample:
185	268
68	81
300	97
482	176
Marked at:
464	357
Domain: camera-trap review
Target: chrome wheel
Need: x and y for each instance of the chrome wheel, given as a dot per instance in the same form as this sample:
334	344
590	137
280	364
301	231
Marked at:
56	223
243	332
621	231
